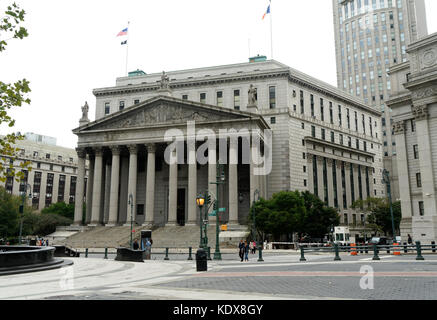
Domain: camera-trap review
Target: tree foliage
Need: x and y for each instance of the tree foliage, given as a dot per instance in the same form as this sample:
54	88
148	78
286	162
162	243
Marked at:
60	208
11	94
379	218
293	212
9	213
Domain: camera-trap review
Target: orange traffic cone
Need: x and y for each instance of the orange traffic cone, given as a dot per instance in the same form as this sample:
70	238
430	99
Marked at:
396	250
353	249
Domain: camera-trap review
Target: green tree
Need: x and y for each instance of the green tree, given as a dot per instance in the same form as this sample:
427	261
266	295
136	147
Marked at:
288	212
11	94
9	213
379	218
60	208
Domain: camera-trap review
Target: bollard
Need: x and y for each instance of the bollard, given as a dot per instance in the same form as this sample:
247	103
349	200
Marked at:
209	253
405	248
189	253
86	253
419	251
433	246
366	248
375	252
337	256
302	254
260	250
388	249
166	254
106	254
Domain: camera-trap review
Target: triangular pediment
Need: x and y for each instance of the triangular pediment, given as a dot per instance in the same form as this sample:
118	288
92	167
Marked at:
165	111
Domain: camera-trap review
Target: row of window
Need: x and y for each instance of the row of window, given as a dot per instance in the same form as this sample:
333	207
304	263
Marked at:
330	117
36	154
342	198
349	9
36	188
340	137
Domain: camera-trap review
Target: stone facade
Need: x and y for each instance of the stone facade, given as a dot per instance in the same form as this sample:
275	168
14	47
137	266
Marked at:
415	127
308	118
369	39
53	175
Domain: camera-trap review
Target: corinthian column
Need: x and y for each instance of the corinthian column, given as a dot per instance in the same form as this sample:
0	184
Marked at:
192	184
173	189
132	183
78	200
115	179
97	187
150	184
233	181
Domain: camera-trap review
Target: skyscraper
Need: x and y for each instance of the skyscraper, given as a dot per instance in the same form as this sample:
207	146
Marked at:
370	36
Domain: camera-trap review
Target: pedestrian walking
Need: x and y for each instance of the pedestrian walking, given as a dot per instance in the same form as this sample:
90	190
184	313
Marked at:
246	251
47	242
410	240
251	247
135	245
241	250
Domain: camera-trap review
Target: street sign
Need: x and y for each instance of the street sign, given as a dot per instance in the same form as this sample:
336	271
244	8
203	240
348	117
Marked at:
222	209
213	213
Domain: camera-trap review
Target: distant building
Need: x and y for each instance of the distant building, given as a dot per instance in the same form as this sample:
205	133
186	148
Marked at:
54	172
414	104
371	36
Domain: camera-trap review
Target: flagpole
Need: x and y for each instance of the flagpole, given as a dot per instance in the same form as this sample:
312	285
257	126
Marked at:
127	47
271	29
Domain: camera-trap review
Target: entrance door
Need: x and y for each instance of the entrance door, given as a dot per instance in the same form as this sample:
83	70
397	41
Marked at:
181	207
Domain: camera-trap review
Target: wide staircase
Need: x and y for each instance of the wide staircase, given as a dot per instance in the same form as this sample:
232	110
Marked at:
163	237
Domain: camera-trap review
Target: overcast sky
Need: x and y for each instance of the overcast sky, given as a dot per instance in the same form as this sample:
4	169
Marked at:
73	49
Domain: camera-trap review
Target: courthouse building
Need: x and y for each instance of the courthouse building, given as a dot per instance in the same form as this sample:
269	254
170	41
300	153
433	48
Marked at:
414	105
323	140
53	175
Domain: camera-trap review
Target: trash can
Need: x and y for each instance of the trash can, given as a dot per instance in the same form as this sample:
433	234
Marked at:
201	260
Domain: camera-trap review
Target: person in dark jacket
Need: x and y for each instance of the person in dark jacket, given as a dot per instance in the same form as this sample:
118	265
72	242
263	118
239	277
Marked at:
135	245
246	251
410	240
241	250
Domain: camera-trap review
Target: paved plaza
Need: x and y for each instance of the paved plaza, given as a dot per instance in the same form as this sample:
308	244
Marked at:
280	276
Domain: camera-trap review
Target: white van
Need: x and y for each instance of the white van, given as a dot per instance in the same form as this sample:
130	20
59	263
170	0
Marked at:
342	235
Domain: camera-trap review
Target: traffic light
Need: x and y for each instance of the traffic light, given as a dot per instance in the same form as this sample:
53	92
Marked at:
215	206
208	199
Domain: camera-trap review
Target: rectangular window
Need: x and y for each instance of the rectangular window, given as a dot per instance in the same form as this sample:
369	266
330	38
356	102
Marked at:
49	189
416	151
325	181
313	131
107	108
315	178
413	125
339	116
272	97
421	208
312	105
203	97
272	120
219	98
348	119
322	110
334	180
61	188
73	182
137	101
331	115
323	134
121	105
343	185
302	103
419	180
352	182
237	99
349	142
332	137
341	139
185	97
36	189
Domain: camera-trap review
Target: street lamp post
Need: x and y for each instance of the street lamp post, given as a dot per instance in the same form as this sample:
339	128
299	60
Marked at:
255	198
131	202
28	186
200	200
219	181
386	180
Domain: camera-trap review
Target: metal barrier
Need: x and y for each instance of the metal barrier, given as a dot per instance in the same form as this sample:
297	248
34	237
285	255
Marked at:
395	249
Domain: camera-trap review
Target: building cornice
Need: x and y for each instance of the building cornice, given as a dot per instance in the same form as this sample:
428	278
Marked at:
340	147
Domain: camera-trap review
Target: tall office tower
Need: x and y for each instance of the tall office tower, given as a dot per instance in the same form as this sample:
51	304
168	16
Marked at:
371	36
